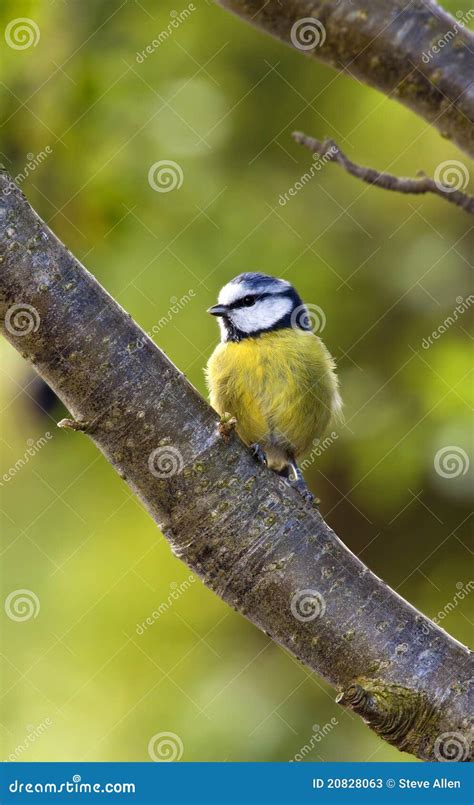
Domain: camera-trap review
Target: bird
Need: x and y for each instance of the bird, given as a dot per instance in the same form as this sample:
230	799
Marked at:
271	373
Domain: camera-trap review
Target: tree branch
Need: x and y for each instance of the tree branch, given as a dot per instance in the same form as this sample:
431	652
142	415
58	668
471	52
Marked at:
414	52
330	152
251	539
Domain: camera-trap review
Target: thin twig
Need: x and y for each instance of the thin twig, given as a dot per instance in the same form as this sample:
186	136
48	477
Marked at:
329	151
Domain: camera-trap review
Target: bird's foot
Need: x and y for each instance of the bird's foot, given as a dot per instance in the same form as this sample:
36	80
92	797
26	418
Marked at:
227	426
258	453
298	482
300	485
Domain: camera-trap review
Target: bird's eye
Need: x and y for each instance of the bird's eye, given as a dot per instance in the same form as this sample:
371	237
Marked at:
247	301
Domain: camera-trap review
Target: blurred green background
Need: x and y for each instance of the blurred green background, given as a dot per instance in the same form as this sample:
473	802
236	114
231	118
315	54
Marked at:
81	680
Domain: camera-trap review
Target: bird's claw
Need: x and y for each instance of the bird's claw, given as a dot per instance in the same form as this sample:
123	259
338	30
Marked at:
258	453
303	490
297	481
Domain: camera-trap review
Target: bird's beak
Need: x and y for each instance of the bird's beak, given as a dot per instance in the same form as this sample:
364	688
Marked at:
218	310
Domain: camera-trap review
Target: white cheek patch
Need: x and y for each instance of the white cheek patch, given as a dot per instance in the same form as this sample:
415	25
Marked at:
262	314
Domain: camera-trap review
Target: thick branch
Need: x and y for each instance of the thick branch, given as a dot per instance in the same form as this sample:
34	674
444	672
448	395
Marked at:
249	537
330	152
414	52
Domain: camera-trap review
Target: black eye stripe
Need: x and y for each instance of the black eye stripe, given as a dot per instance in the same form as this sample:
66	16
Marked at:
240	303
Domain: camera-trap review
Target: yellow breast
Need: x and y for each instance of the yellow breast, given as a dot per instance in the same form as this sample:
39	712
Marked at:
281	387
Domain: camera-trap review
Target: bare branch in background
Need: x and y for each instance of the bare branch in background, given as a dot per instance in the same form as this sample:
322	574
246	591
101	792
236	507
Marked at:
249	537
414	52
330	152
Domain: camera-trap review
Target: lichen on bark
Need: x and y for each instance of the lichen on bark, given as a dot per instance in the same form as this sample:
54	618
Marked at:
391	45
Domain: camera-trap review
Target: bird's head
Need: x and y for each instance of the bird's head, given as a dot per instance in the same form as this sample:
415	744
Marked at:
254	303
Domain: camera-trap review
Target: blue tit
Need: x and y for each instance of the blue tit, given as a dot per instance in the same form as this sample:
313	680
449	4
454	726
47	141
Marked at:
271	372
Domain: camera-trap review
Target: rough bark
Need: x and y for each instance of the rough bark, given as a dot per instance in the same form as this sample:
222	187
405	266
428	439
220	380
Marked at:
388	44
251	539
